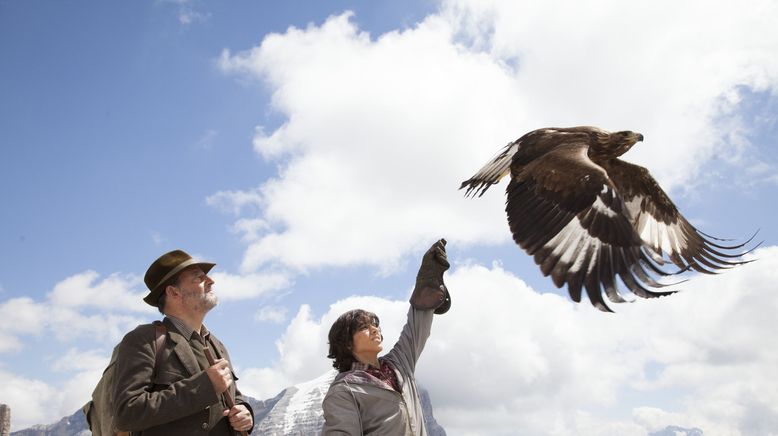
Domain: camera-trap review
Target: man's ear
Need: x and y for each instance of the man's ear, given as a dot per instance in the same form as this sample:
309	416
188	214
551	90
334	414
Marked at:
171	290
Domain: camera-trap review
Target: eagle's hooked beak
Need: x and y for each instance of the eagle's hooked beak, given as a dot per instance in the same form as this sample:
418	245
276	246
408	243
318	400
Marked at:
639	137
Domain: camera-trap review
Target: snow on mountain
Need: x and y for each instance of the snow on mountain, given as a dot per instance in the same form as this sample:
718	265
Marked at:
298	411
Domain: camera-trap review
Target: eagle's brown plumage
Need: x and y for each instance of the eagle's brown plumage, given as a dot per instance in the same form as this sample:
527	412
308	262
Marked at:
589	218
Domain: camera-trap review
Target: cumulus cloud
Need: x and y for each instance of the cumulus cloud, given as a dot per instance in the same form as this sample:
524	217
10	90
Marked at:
250	228
240	287
234	201
84	290
509	360
31	401
362	160
380	129
71	310
274	314
21	315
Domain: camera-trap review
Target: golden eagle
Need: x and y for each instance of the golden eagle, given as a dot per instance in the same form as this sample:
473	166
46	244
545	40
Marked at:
588	217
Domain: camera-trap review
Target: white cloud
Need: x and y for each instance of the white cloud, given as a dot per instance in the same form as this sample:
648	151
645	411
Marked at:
234	201
361	160
72	310
206	141
508	360
240	287
380	131
274	314
9	343
22	315
188	16
250	228
84	290
31	401
81	360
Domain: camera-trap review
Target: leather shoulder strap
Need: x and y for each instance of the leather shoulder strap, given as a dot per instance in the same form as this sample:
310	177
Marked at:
160	332
214	347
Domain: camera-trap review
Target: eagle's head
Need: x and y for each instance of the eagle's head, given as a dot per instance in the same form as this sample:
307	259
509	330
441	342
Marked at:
615	144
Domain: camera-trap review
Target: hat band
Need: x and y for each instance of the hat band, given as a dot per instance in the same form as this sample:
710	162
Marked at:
176	270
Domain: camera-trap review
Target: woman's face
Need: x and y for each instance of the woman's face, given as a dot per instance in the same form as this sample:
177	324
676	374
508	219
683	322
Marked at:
367	340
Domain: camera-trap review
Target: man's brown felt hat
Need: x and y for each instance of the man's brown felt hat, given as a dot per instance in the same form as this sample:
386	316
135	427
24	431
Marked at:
164	268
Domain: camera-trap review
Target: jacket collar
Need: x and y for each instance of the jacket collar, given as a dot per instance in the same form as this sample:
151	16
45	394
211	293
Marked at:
357	374
185	330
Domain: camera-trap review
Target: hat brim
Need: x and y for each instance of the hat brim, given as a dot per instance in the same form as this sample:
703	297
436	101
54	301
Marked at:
155	293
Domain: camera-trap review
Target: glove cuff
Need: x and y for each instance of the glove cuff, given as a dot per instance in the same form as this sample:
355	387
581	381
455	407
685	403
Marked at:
428	297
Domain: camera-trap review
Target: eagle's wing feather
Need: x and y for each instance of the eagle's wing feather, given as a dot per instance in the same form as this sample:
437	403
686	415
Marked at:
663	229
565	212
529	146
497	168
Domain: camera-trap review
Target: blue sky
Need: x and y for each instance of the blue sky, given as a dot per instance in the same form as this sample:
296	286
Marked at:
314	153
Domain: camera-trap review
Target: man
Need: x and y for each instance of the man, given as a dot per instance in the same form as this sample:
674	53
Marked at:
373	395
184	395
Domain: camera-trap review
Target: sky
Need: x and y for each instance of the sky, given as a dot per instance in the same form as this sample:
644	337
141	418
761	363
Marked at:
314	150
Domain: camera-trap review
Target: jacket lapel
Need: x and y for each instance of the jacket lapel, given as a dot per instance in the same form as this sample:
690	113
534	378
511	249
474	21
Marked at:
182	349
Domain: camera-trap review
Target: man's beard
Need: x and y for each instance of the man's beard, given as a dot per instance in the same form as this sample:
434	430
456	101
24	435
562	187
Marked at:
202	302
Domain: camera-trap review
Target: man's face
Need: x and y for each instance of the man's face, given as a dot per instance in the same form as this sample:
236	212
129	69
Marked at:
195	286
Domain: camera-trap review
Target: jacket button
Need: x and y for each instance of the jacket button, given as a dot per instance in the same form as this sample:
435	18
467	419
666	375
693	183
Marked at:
205	425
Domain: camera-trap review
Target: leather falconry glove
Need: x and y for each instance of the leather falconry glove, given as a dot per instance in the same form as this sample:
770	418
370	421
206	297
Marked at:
430	291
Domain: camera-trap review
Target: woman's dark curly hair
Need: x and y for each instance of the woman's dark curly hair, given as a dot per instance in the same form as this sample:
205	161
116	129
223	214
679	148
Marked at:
342	334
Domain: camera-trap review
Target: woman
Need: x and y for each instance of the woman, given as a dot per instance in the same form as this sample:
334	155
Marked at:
373	395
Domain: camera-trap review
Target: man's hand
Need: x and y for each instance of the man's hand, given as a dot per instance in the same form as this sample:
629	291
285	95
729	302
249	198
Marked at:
240	417
220	375
430	291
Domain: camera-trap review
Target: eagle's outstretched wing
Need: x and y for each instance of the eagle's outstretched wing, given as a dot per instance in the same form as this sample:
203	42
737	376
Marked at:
564	210
662	228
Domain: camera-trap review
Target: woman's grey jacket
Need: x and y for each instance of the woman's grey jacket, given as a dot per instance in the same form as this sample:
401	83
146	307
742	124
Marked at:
358	403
